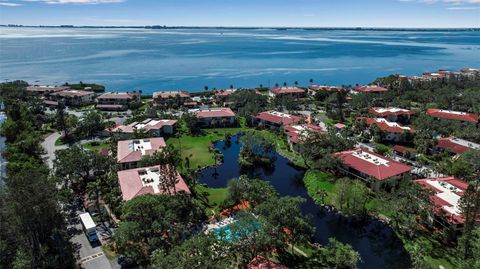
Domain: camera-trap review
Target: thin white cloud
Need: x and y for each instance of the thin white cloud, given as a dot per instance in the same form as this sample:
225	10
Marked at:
8	4
450	4
462	8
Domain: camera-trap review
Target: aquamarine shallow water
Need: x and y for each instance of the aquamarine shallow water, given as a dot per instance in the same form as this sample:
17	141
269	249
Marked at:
189	59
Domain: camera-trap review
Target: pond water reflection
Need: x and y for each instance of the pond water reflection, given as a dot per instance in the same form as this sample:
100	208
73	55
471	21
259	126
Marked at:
377	243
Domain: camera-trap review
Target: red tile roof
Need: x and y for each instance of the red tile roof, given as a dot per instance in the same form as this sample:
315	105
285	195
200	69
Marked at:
387	126
133	150
373	164
72	93
146	125
340	125
452	115
447	194
297	133
139	181
214	112
225	92
403	149
118	95
382	112
260	262
456	145
278	117
324	88
369	88
284	90
170	94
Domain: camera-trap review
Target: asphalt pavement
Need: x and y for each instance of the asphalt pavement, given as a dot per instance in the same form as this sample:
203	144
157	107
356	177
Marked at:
88	255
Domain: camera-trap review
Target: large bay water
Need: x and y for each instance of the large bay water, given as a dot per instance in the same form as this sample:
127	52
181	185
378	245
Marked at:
376	242
189	59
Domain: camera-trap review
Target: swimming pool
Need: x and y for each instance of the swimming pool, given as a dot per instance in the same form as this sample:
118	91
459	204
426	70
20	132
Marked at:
234	230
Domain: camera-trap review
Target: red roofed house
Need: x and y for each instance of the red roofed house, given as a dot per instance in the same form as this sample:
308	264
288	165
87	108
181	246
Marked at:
215	117
140	181
456	145
116	101
130	152
374	168
452	115
274	119
260	262
298	133
153	127
72	97
392	130
221	95
313	89
170	98
405	152
369	89
292	91
470	73
447	193
391	113
44	90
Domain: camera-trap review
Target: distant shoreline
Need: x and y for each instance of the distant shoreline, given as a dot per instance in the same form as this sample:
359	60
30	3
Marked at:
244	28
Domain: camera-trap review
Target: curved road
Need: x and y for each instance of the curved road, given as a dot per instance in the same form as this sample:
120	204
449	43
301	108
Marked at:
90	257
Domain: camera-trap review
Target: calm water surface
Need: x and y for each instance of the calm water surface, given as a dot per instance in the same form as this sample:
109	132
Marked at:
148	60
376	243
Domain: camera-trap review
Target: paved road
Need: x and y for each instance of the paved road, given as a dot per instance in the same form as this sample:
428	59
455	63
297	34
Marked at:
91	257
50	148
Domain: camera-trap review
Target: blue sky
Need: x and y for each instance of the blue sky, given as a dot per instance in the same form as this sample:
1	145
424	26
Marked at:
320	13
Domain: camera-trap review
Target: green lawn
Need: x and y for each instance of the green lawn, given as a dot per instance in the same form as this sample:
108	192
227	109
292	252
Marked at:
215	196
59	142
436	253
196	148
315	181
97	145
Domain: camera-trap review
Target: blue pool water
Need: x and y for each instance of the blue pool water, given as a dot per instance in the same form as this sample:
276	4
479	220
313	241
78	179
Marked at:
231	231
377	243
148	60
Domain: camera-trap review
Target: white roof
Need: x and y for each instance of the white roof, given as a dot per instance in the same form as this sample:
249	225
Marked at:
465	143
151	177
389	109
373	159
87	220
452	112
448	193
279	114
140	145
392	124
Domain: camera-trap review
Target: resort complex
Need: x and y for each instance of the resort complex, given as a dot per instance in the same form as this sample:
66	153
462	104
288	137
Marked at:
291	145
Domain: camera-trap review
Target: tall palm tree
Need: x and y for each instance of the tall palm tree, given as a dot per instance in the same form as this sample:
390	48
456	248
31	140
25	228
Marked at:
205	88
311	81
296	83
284	84
276	85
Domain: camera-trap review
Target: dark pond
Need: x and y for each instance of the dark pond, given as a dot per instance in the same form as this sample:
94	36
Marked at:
376	243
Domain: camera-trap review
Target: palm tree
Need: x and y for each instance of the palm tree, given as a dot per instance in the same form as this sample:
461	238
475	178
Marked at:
276	85
311	81
205	88
296	83
261	86
231	86
284	84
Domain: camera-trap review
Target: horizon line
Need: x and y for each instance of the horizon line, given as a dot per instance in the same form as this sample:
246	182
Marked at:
246	27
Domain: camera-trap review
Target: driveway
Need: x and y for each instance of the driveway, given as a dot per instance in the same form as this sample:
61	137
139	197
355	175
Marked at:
90	256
